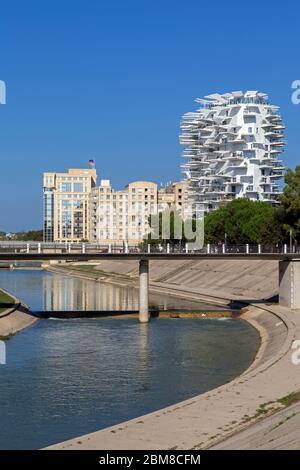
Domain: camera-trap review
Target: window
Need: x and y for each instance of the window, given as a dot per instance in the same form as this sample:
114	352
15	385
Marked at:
78	204
66	187
66	204
249	119
78	187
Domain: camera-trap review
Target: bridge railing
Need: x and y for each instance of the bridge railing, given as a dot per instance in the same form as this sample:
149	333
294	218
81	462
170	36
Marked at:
168	248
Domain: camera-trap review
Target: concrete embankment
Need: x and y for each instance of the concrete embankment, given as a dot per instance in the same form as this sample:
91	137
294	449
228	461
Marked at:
218	282
262	390
208	418
15	319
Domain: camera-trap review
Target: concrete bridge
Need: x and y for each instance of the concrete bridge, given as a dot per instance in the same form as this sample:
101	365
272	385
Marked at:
288	260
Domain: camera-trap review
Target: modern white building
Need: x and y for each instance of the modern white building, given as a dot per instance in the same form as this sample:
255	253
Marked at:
232	144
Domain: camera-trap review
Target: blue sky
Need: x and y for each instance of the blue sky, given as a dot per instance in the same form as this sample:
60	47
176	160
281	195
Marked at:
110	80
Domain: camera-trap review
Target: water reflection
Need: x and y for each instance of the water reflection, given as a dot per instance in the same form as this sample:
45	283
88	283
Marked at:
143	346
44	291
66	293
61	293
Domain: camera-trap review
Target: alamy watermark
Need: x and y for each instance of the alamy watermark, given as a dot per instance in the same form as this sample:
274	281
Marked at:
2	353
2	92
296	352
295	98
149	221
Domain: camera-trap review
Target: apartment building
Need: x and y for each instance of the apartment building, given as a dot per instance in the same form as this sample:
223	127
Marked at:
66	205
174	195
75	209
121	216
232	145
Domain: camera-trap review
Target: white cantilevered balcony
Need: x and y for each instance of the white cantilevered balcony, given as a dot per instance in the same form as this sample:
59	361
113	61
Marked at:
228	137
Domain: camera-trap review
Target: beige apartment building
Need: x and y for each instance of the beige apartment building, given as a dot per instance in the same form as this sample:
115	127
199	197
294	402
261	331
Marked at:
119	217
173	195
75	209
66	205
122	216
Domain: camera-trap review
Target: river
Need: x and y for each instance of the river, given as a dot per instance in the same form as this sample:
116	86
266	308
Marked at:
64	378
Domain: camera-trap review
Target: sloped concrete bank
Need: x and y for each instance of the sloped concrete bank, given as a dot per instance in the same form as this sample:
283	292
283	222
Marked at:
221	281
207	419
15	319
154	287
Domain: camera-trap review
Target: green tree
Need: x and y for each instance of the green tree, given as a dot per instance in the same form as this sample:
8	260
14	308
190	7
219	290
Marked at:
156	224
243	221
290	199
32	235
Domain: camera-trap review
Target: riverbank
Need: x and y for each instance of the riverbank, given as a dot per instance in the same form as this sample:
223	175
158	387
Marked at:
207	419
14	316
6	301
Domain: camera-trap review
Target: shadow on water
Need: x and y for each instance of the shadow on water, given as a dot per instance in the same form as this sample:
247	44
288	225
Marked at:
89	313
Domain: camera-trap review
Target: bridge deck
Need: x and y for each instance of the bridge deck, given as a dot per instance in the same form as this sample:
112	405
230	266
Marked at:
150	256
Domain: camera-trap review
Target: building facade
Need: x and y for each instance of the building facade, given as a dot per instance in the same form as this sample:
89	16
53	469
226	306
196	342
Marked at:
66	205
173	196
121	216
75	209
232	145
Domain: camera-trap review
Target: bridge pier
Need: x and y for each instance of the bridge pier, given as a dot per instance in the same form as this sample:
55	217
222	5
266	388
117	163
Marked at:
289	284
144	291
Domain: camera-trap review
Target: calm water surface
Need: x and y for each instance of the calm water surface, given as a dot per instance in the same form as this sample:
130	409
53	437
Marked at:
64	378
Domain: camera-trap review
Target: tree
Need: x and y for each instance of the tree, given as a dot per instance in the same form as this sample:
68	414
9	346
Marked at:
32	235
156	225
243	221
290	199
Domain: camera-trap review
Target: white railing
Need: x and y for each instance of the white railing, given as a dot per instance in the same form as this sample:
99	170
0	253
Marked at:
11	247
